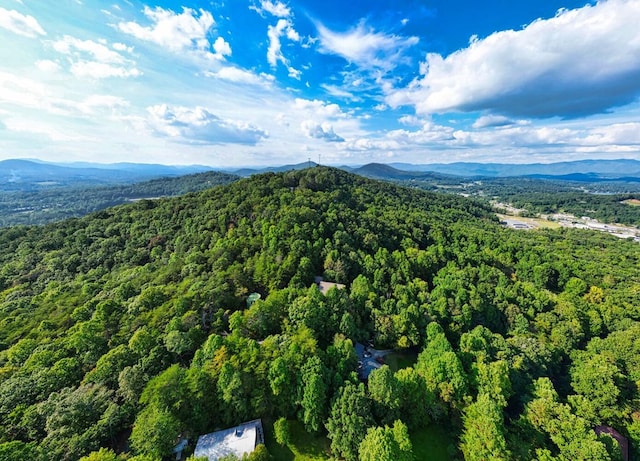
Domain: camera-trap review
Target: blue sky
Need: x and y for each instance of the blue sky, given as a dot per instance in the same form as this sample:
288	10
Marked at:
264	82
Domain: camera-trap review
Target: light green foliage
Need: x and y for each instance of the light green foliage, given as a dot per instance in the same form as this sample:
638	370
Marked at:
154	432
493	380
386	444
572	435
483	434
350	417
595	379
19	451
259	454
282	432
441	368
103	454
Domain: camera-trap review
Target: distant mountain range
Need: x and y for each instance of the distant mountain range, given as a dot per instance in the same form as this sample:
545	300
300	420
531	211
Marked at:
28	175
581	170
16	175
600	168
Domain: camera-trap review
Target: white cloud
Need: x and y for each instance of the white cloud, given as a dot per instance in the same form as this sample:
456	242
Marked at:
322	131
94	59
429	134
363	46
48	66
173	31
221	47
200	126
491	121
43	129
339	92
615	134
122	47
26	93
277	8
580	62
237	75
97	102
75	47
284	27
319	108
98	70
20	24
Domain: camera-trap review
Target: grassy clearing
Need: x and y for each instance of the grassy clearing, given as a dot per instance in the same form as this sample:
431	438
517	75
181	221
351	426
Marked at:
535	222
632	202
303	446
433	443
400	359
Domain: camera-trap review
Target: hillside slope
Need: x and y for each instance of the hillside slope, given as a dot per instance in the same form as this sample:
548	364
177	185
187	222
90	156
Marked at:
50	204
133	322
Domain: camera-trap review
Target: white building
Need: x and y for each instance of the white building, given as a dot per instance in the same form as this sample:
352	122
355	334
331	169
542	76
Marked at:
235	440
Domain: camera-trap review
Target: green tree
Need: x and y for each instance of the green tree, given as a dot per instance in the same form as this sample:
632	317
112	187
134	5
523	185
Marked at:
314	394
350	417
483	435
282	431
19	451
385	393
154	432
103	454
441	368
387	444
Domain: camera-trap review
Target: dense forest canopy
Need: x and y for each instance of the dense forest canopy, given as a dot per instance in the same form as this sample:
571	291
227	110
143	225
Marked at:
130	327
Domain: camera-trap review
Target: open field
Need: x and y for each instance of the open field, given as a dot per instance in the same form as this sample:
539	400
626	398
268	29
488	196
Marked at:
536	223
432	443
400	359
303	446
632	202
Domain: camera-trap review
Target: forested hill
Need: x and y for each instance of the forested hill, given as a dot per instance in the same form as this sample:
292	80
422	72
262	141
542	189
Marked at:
49	204
132	323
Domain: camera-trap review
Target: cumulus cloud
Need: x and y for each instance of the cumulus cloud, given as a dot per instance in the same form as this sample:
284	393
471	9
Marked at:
95	60
319	108
365	47
616	134
221	47
199	126
492	121
237	75
322	131
277	9
20	24
580	62
178	32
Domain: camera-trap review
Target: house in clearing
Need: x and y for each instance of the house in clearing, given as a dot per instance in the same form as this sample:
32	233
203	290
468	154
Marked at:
238	441
324	287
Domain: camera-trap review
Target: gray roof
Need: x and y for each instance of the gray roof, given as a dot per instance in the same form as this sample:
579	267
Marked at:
235	440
